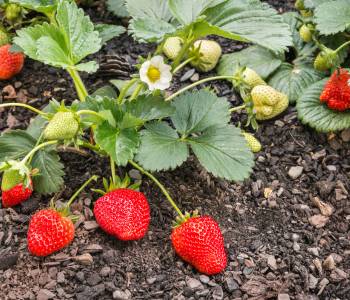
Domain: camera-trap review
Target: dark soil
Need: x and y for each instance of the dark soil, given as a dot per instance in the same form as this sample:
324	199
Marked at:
274	247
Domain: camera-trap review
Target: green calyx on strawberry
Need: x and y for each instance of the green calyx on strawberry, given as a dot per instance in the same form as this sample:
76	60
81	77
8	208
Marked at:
13	12
246	78
326	59
198	241
305	32
123	213
252	141
306	13
16	184
52	229
4	37
172	47
206	55
64	125
268	103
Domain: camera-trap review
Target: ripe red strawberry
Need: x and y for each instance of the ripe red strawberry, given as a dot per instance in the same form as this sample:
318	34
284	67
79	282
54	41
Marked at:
13	189
10	63
336	93
49	231
123	213
199	242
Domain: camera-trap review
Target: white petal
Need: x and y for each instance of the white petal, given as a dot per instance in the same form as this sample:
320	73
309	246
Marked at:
144	70
162	86
157	61
164	68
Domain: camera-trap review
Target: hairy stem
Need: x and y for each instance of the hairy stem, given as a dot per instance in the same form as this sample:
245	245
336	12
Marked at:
183	64
39	112
70	201
342	46
79	84
186	88
88	112
188	43
237	108
35	149
125	90
161	186
113	171
136	91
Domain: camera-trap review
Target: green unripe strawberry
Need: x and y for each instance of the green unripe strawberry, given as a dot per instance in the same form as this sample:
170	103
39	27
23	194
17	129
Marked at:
207	55
305	33
306	13
172	47
252	141
325	60
268	103
10	179
63	126
299	5
252	78
13	12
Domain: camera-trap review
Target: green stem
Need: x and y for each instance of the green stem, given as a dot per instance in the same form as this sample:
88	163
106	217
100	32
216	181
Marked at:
51	17
182	53
39	112
35	149
136	91
163	189
70	201
89	112
342	46
237	108
79	85
180	66
125	90
113	171
197	83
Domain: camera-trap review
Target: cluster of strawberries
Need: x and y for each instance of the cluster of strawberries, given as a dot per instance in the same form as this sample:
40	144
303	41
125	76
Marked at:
123	213
336	93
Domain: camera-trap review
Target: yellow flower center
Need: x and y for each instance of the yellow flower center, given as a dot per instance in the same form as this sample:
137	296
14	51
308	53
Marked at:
153	74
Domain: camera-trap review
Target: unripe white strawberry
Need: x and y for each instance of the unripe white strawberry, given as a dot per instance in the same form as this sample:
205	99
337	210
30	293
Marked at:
252	141
252	78
207	55
172	47
268	103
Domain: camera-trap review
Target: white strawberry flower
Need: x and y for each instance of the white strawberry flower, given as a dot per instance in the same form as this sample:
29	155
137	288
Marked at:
156	73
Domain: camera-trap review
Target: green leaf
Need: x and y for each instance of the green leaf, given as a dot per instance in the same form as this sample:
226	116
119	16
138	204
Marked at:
16	144
120	84
64	45
316	114
333	17
118	7
253	21
149	108
187	12
153	9
105	91
223	151
260	59
50	177
108	32
120	144
292	80
150	21
198	110
42	6
79	31
161	148
311	4
27	39
150	30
